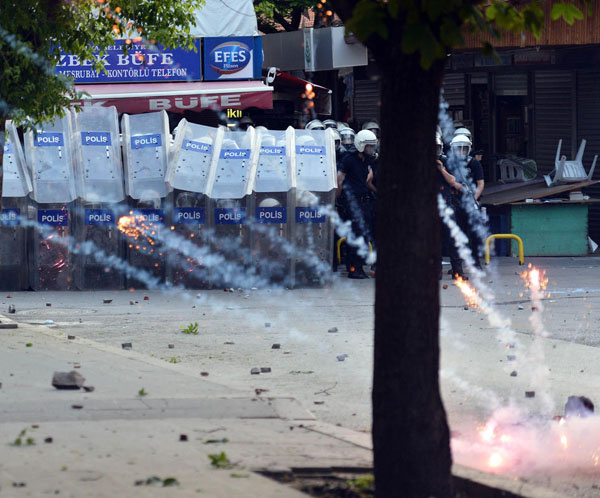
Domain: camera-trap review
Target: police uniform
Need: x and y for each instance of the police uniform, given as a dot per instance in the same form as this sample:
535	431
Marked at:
452	199
358	203
475	173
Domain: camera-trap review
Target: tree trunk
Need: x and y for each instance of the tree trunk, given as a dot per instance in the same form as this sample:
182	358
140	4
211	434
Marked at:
410	432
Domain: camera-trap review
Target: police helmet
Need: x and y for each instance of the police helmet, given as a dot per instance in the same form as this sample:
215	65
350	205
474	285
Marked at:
315	124
305	140
461	146
364	138
268	140
371	125
269	202
186	199
347	135
439	145
330	123
228	143
463	131
337	139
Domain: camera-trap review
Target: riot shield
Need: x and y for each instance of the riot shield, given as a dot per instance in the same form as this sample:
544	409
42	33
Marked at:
16	181
270	233
230	183
49	154
145	154
316	180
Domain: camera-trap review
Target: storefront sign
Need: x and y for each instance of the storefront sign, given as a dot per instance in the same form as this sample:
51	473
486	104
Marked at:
232	58
141	63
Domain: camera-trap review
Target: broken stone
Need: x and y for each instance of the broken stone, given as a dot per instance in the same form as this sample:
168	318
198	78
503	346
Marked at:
229	343
341	357
126	345
319	402
204	374
11	308
171	346
333	330
260	391
510	345
131	303
530	394
146	298
77	407
445	286
466	308
513	373
255	371
579	406
511	357
107	301
276	346
183	437
89	389
48	304
48	440
18	484
9	297
267	324
265	370
8	326
70	337
77	365
520	307
68	380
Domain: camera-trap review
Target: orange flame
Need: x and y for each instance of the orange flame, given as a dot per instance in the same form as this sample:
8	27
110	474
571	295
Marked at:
535	279
495	460
470	294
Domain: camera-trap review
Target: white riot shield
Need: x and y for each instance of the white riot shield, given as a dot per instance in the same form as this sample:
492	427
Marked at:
145	154
98	152
314	167
230	184
16	181
51	161
13	244
271	200
191	158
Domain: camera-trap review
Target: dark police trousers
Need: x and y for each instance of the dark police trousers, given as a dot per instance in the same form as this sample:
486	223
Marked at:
358	210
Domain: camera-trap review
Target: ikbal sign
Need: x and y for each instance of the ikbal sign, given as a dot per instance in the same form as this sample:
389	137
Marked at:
143	62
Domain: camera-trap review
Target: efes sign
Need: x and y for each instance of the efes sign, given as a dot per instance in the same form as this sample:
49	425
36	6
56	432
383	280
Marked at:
237	58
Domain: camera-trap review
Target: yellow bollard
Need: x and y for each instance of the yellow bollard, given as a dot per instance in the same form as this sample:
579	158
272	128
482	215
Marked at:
504	236
339	248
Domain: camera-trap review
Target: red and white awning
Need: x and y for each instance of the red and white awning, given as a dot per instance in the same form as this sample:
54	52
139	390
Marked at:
136	98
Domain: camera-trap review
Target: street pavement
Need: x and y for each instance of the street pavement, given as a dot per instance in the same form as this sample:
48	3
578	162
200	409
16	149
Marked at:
311	410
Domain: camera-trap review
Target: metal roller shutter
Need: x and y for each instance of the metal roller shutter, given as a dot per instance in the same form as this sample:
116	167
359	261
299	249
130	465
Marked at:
367	97
511	84
553	116
454	89
588	128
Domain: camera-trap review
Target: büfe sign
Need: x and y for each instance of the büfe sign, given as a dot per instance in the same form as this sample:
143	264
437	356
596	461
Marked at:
142	62
237	58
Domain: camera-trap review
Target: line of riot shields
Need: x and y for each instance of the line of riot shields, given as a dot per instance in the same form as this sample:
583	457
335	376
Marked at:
89	204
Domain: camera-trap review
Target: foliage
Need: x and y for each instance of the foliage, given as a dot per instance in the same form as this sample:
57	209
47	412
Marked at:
22	441
173	360
220	461
157	481
33	33
142	392
273	15
192	328
364	484
432	28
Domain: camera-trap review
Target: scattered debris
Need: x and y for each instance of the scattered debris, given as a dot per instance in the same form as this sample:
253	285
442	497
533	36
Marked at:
18	484
107	301
21	440
8	326
77	365
239	476
530	394
267	324
126	345
204	374
48	440
520	307
511	357
77	407
216	441
220	461
229	343
300	372
259	391
131	303
333	330
276	346
341	357
265	369
255	371
48	322
9	297
326	391
510	345
319	402
89	389
70	337
11	308
68	380
142	392
513	373
466	308
48	304
534	308
171	346
183	437
157	481
146	298
445	286
28	345
579	406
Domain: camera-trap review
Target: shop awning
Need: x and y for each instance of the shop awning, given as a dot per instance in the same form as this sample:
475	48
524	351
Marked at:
136	98
287	86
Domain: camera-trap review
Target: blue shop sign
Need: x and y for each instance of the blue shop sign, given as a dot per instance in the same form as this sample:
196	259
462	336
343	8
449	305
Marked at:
143	62
271	214
310	215
190	215
101	138
230	216
237	58
53	217
10	217
99	217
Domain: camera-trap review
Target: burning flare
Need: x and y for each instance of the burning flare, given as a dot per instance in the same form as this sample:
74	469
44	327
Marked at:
471	295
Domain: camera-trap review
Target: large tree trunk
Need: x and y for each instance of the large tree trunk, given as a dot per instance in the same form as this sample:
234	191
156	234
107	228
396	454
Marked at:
410	432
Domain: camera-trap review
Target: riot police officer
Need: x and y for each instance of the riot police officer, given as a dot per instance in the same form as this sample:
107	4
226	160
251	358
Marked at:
354	173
